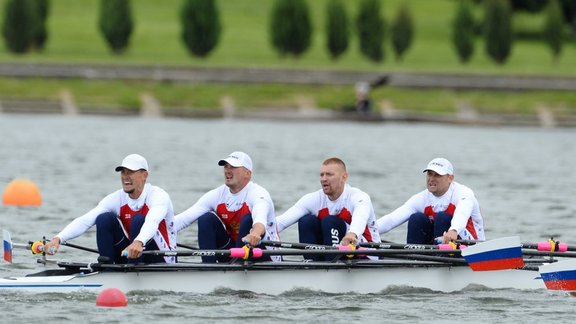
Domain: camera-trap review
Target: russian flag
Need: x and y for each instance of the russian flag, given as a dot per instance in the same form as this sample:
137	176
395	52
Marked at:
498	254
560	275
7	246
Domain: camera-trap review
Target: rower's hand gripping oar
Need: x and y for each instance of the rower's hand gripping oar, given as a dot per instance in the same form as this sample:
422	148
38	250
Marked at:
36	247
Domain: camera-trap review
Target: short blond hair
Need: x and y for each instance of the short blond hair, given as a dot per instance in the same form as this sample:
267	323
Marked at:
334	160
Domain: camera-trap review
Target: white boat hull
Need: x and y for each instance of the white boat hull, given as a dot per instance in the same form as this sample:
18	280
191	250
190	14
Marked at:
266	279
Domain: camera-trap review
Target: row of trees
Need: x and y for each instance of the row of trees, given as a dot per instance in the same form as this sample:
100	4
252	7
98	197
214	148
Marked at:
497	27
290	29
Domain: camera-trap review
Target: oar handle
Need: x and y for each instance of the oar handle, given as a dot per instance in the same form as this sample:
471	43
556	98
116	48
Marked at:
547	246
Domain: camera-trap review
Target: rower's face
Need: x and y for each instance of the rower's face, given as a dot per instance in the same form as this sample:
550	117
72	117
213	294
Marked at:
333	179
133	181
236	178
438	184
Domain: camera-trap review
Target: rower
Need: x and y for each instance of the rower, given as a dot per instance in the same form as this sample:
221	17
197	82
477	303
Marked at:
139	216
336	214
237	213
445	211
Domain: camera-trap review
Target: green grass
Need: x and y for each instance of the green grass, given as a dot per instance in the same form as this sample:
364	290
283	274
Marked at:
74	38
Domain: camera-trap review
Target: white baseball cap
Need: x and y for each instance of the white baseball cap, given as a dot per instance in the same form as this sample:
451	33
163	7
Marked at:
133	162
440	166
238	159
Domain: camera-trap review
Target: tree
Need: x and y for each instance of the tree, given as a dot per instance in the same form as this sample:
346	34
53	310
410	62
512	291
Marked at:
554	27
19	25
463	31
116	24
337	28
40	32
290	27
201	26
402	31
371	30
498	31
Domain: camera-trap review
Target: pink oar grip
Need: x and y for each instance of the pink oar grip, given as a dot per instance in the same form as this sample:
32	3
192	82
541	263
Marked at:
237	253
345	248
257	252
243	253
445	246
546	246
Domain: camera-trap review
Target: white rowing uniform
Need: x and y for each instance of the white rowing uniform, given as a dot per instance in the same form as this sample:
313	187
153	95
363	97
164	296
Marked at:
154	203
230	207
459	201
353	206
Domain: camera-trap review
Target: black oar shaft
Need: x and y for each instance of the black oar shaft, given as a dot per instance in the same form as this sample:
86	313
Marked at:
80	247
302	246
389	245
306	252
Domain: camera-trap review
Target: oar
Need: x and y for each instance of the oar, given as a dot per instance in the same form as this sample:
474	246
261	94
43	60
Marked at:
550	245
387	245
7	246
36	247
390	245
497	254
373	245
255	253
302	246
559	275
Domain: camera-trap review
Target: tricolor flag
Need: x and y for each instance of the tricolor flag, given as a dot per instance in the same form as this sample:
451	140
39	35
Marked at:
560	275
498	254
7	246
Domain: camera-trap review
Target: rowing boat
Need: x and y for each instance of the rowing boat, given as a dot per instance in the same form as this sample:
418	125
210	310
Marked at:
496	264
272	277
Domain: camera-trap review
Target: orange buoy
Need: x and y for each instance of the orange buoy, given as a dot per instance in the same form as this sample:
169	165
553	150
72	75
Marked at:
22	192
111	297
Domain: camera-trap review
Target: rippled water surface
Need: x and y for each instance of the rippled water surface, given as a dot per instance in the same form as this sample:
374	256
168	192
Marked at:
523	177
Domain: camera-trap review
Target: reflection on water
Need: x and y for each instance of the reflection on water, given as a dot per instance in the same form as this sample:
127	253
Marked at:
523	178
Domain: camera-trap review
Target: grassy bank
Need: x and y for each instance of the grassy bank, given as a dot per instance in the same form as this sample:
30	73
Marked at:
74	38
119	94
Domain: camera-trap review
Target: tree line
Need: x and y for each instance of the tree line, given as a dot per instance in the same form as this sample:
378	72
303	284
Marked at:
290	29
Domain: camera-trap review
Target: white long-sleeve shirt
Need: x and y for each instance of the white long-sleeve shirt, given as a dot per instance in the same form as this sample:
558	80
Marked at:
353	206
252	199
467	219
154	203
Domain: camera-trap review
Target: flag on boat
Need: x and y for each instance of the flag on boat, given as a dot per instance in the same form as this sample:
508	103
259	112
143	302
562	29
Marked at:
7	246
560	275
497	254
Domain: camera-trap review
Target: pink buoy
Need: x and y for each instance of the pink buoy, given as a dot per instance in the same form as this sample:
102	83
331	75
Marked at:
111	297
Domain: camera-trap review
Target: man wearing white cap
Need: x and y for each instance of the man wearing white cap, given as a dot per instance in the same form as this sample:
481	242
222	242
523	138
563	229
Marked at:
236	213
139	216
446	209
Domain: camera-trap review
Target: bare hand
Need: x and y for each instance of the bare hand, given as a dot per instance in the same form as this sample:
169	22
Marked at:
51	247
255	236
349	238
252	239
450	236
134	250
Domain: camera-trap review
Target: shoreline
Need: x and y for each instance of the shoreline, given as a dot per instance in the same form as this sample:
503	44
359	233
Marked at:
306	111
544	118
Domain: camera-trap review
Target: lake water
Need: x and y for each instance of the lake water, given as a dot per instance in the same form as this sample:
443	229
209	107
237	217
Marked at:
523	177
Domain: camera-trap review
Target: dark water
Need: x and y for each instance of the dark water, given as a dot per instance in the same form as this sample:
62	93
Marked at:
523	177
